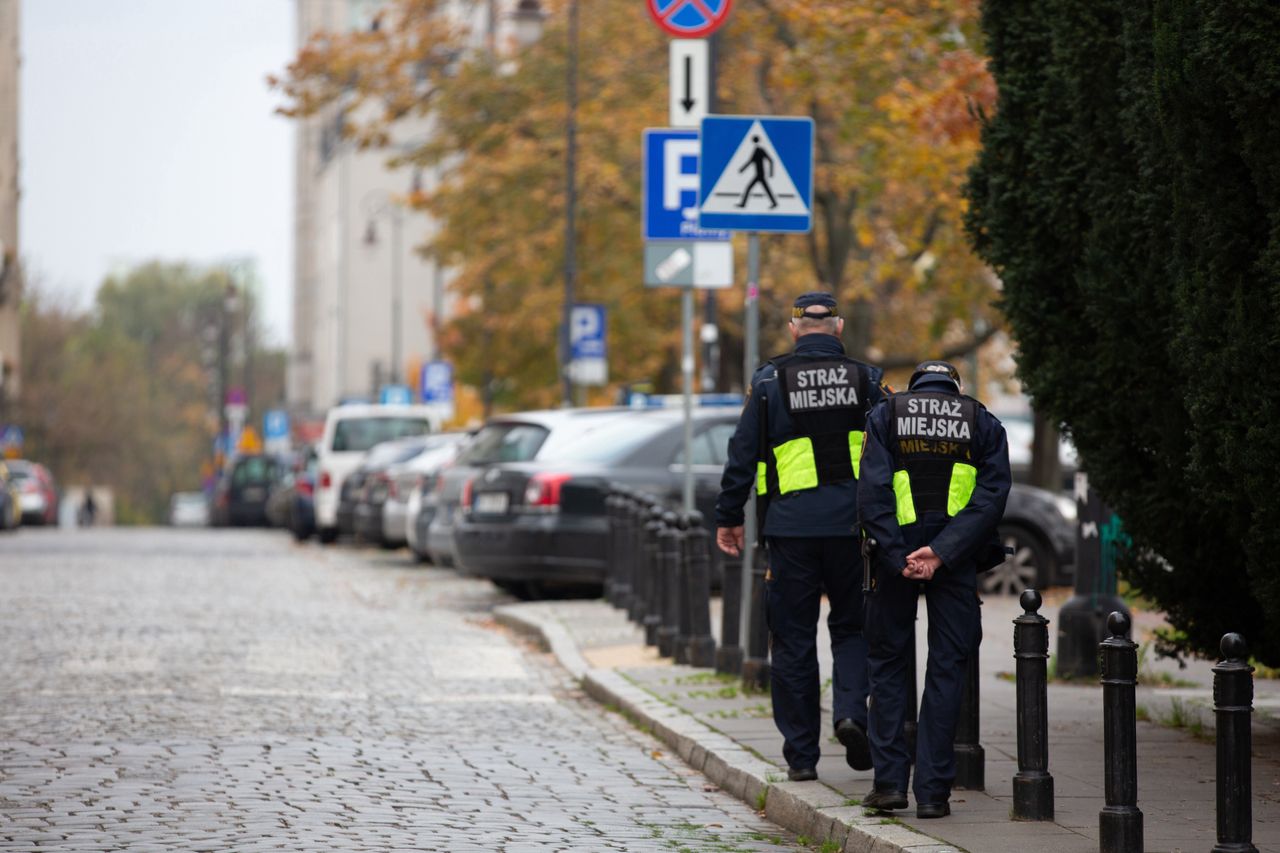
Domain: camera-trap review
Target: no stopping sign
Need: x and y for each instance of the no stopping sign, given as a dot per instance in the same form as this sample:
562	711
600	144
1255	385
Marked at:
689	19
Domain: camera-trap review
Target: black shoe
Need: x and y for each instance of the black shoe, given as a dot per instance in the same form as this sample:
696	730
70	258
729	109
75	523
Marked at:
884	801
856	749
803	774
925	811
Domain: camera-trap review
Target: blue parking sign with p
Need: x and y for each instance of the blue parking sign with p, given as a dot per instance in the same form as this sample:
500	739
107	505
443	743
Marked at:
437	382
670	197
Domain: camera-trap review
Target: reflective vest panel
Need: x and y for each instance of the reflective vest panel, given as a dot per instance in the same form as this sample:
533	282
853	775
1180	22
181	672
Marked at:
797	464
964	478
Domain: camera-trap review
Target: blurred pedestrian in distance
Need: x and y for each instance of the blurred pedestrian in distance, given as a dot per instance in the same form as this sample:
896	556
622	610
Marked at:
88	509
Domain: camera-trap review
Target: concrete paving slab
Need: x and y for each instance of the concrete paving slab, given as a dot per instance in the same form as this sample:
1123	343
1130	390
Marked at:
1176	768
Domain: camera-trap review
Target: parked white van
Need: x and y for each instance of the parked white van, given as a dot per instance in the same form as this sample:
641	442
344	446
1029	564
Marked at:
349	432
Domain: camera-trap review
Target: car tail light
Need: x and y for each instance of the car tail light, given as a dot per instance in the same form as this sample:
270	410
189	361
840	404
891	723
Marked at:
325	480
543	491
385	483
467	490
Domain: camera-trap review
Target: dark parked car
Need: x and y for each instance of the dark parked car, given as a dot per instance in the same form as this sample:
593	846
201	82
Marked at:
420	504
377	458
1039	527
383	496
240	497
290	504
10	500
533	527
38	494
510	438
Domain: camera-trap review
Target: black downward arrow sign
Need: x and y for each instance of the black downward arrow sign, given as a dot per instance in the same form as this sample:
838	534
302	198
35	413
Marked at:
687	103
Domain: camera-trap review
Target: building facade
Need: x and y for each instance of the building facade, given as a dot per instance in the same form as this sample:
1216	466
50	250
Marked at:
366	305
10	267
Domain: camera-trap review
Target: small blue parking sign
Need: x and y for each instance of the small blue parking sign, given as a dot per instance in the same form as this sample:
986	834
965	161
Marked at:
275	424
756	174
586	331
437	382
588	362
670	198
396	395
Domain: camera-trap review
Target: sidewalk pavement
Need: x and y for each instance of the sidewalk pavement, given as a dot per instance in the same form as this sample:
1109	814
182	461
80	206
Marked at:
731	738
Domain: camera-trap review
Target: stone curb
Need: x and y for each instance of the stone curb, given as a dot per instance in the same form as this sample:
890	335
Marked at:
804	808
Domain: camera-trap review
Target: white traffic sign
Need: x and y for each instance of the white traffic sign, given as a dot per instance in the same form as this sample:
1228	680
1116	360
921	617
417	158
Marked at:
688	263
690	91
756	173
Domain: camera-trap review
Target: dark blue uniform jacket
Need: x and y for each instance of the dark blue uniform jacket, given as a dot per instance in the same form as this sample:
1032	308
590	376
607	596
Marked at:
829	510
957	540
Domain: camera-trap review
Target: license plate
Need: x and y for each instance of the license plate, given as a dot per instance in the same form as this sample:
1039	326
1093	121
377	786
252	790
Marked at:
254	494
491	503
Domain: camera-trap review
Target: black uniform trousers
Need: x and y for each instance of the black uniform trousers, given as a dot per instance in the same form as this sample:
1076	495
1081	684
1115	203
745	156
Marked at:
800	570
955	626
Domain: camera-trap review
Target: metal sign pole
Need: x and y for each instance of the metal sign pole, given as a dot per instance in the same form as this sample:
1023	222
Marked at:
751	355
686	364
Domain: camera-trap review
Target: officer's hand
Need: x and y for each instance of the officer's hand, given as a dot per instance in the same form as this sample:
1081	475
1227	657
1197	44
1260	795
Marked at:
921	564
730	539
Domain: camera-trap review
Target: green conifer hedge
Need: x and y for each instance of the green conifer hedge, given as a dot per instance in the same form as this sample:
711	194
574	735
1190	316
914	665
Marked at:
1128	195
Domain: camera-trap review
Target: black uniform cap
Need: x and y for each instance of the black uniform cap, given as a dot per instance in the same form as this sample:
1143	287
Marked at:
928	372
816	304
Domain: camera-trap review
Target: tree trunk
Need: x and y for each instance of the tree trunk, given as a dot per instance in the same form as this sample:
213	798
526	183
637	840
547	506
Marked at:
1046	465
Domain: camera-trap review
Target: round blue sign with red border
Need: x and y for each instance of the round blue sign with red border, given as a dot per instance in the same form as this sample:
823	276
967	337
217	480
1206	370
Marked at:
689	19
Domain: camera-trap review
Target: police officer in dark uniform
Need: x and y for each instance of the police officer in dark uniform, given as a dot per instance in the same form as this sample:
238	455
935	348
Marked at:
935	478
799	444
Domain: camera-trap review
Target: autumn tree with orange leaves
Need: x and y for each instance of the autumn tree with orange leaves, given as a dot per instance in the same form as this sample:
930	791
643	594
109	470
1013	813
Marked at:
894	90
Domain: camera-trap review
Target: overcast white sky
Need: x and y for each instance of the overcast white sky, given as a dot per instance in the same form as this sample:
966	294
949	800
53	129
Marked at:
147	131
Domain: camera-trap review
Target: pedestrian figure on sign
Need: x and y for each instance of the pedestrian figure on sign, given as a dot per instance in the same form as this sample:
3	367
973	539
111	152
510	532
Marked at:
759	158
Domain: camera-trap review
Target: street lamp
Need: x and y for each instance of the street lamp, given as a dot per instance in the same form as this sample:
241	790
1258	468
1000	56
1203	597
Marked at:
528	17
385	205
571	202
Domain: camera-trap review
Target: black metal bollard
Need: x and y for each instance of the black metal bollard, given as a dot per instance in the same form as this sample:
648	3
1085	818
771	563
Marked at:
700	646
639	557
1120	821
640	561
652	619
684	604
970	756
729	655
613	548
1233	709
625	555
756	673
669	544
1032	784
911	712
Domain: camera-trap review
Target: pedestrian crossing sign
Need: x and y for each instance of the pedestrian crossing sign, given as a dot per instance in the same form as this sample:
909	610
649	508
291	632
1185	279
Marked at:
756	173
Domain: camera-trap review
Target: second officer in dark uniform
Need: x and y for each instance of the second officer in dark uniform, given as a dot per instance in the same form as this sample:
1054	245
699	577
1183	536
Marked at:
798	444
935	478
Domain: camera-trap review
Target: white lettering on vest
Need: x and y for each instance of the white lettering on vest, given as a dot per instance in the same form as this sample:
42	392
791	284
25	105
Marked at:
940	425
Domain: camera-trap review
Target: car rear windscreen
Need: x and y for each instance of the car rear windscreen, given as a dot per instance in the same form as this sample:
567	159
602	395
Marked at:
609	441
360	434
254	470
506	442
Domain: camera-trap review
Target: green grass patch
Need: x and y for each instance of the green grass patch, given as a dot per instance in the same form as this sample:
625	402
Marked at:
727	692
707	678
762	798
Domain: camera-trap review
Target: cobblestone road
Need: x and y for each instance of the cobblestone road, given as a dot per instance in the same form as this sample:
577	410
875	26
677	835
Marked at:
223	690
